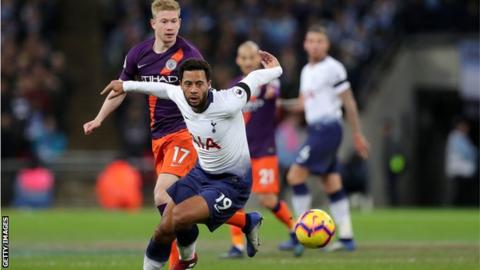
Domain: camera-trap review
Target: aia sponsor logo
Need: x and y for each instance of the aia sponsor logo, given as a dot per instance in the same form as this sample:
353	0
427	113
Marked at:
206	144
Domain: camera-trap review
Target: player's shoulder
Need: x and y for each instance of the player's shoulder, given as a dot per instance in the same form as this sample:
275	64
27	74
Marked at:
144	45
334	63
141	48
188	47
238	91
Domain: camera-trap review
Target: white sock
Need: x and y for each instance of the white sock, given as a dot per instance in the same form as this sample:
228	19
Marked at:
240	247
301	203
340	211
186	253
149	264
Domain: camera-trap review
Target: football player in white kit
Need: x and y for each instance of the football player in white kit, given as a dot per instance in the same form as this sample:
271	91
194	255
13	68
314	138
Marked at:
324	88
217	187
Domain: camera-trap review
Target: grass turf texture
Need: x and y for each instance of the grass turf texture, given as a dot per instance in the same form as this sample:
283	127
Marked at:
387	239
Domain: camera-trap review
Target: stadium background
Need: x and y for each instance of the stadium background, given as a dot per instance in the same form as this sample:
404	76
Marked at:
413	64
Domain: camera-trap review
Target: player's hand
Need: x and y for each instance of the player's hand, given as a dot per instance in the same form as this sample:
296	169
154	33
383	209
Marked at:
361	145
271	92
89	127
268	60
116	86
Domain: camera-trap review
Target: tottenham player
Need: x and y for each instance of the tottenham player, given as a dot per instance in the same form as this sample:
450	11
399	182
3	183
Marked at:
216	188
157	60
323	89
258	115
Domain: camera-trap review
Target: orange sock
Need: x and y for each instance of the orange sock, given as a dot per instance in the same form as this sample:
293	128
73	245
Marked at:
237	236
282	212
238	219
174	256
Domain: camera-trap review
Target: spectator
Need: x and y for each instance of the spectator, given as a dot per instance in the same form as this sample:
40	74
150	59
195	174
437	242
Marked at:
35	81
119	187
461	165
394	162
34	186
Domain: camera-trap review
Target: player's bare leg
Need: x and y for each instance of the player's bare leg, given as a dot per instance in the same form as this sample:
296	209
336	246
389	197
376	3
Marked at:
160	197
281	211
178	221
158	250
279	208
164	181
301	198
185	217
340	210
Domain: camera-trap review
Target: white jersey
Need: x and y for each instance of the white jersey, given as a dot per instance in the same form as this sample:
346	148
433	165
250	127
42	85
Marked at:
218	133
320	85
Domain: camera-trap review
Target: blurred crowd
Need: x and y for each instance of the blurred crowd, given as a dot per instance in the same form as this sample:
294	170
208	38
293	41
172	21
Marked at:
35	85
358	30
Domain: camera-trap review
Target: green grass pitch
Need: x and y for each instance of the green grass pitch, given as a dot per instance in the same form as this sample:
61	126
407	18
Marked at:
387	239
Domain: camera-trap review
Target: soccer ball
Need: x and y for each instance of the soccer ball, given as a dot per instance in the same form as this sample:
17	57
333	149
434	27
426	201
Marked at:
315	228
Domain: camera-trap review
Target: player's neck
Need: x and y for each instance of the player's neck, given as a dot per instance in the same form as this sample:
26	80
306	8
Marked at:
202	107
314	60
160	47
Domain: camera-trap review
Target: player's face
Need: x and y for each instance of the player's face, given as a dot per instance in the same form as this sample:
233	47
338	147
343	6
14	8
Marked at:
166	25
248	60
317	45
195	88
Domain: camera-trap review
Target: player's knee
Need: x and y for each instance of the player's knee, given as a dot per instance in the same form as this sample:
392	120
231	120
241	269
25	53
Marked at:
332	183
181	219
268	200
295	177
160	197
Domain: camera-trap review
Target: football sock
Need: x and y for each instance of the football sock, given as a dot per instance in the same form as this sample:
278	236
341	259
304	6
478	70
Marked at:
248	222
238	219
174	256
340	210
156	255
283	213
301	199
173	250
237	237
149	264
186	243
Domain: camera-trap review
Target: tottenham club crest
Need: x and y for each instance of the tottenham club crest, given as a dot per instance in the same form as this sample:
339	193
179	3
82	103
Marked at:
213	126
171	64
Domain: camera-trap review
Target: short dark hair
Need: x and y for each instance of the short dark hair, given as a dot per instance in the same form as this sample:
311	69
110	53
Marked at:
195	64
318	28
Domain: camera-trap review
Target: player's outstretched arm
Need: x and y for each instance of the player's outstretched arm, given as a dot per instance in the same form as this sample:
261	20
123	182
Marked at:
361	144
293	105
157	89
109	105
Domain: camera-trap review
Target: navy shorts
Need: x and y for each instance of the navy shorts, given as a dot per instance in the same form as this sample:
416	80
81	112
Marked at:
225	193
319	153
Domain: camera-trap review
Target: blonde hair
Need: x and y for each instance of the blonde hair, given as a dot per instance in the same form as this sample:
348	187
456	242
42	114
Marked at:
317	28
159	5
